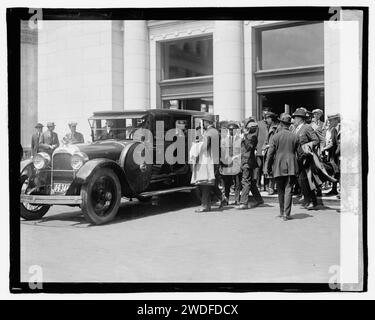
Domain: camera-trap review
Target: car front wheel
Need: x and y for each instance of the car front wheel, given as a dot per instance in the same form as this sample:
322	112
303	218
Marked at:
31	211
101	196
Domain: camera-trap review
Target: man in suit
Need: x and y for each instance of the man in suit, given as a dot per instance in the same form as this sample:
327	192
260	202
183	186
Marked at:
282	161
230	168
73	137
248	164
49	139
211	146
262	137
332	148
271	119
307	139
35	138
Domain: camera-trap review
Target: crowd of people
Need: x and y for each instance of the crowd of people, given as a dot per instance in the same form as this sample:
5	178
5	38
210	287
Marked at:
296	154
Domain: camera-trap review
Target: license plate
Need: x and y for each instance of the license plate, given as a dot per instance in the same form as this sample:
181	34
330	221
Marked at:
60	187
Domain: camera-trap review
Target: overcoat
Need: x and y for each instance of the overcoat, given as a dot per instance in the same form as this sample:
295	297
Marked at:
282	154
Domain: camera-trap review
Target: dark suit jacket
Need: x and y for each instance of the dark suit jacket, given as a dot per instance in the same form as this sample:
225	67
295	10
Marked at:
35	143
248	146
282	154
306	134
50	139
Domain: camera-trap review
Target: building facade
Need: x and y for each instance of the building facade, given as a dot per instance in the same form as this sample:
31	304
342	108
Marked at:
230	68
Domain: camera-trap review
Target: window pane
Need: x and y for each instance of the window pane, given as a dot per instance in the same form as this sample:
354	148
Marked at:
295	46
187	58
197	104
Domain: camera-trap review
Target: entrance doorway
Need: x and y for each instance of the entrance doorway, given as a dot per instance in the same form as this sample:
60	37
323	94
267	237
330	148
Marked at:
276	101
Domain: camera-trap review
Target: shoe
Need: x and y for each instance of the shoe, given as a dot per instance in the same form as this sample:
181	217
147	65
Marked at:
223	203
242	207
279	216
257	203
314	207
200	210
271	192
305	204
332	193
285	218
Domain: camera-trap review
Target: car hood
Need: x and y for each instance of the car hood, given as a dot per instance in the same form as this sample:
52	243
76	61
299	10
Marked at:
109	149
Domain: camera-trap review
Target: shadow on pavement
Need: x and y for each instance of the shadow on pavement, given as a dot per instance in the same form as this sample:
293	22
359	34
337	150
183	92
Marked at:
129	210
300	216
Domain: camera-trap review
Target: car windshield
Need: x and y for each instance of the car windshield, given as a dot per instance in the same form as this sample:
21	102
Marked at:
120	129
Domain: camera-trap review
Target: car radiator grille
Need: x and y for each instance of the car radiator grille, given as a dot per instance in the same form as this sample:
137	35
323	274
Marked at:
62	170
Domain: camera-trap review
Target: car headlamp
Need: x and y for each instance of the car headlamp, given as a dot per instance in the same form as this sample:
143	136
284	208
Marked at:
41	160
78	159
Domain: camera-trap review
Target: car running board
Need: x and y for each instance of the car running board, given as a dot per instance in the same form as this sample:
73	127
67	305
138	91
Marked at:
166	191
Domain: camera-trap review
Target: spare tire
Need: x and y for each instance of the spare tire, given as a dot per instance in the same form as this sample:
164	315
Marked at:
137	175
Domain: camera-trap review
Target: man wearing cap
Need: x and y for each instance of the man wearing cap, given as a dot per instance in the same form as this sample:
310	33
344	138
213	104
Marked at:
332	146
35	139
248	164
282	161
271	119
307	139
49	139
73	137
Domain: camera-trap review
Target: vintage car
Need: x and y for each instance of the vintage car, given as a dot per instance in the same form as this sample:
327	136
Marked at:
97	175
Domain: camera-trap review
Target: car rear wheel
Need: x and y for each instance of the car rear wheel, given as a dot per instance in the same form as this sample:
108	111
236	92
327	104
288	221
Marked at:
31	211
101	196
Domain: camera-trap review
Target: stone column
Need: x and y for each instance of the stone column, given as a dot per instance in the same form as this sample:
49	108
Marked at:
136	65
29	83
228	70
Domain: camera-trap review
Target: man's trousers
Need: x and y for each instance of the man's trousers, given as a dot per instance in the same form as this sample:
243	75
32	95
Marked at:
249	184
284	185
229	180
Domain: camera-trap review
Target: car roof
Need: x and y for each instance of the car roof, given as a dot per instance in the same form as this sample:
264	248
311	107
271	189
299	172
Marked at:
137	113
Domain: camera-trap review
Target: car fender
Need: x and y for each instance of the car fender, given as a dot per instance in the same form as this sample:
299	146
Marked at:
88	169
25	164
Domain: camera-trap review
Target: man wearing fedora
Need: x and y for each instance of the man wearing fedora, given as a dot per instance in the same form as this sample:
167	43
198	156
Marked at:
282	161
35	139
49	139
73	137
307	139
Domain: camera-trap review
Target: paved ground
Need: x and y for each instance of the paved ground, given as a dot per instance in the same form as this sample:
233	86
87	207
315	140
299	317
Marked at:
170	242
